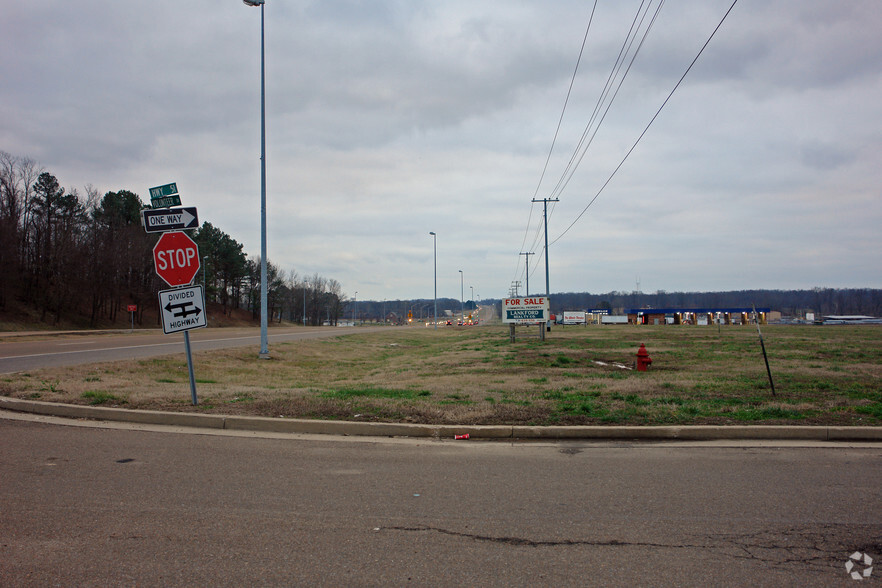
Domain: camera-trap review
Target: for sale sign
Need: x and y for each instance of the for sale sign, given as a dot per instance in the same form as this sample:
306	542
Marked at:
526	311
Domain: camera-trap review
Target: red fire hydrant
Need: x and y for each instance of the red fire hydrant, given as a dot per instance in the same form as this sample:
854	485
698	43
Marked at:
643	359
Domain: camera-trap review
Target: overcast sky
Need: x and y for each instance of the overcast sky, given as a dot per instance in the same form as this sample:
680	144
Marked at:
390	119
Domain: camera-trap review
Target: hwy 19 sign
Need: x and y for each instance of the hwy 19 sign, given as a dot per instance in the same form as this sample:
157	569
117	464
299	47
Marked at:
182	309
526	311
176	258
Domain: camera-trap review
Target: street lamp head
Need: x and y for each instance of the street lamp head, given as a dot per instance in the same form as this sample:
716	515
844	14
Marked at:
254	2
431	232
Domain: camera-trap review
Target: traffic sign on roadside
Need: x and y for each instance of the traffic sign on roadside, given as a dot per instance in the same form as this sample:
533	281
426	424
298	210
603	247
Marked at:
166	201
165	196
164	190
170	219
176	258
182	309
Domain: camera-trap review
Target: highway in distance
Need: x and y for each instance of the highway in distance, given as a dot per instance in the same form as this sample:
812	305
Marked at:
24	353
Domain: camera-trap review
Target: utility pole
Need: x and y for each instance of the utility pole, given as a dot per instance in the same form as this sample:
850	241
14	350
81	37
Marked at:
528	270
545	202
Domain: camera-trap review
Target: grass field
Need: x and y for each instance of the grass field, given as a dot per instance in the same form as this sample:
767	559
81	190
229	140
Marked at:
699	375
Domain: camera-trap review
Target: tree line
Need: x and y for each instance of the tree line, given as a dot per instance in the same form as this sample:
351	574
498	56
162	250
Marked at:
85	257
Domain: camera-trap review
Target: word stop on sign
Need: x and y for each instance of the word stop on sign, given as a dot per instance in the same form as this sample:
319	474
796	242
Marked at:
175	258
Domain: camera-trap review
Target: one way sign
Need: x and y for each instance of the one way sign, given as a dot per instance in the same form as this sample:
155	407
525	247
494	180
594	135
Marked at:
169	219
182	309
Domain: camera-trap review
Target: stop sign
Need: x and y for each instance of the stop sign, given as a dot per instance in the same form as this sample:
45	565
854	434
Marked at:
176	258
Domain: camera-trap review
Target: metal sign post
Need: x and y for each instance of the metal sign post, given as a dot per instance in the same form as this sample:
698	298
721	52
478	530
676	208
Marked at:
190	368
132	308
176	259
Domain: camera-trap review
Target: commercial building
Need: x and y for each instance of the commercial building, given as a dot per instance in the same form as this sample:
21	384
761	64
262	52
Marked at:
696	316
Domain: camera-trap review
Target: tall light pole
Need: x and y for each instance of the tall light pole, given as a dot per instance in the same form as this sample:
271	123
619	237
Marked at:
264	350
461	297
355	308
435	241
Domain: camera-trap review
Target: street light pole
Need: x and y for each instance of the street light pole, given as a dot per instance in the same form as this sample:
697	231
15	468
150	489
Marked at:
355	309
264	350
435	241
461	297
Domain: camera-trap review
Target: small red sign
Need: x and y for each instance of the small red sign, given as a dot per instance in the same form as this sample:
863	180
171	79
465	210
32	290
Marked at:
132	308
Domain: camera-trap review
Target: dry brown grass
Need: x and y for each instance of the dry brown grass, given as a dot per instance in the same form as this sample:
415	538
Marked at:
699	375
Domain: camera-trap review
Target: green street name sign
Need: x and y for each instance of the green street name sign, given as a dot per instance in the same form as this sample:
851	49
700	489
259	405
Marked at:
162	191
166	201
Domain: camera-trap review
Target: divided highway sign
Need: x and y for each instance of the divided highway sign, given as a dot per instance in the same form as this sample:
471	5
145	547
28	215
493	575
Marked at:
182	309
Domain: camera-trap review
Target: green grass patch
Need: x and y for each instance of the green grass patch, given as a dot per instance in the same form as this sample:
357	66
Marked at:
368	392
99	397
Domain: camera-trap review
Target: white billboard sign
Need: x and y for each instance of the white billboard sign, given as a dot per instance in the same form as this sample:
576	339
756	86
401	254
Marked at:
574	317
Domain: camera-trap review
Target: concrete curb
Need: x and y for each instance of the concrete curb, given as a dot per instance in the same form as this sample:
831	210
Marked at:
351	428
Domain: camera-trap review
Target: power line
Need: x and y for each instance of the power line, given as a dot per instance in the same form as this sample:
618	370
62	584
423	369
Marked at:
652	120
581	146
556	131
567	99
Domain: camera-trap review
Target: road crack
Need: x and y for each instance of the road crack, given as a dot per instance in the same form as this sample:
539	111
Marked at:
521	541
819	546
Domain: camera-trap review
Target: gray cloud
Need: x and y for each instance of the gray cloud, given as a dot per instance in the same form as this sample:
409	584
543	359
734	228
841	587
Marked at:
386	120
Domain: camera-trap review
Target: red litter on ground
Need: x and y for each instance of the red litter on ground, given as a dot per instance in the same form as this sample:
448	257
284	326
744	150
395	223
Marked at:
466	436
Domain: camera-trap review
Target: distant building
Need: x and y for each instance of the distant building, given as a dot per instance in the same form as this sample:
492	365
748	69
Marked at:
851	319
696	316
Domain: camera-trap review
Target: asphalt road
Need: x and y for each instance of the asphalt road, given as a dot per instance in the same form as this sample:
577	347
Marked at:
111	506
25	353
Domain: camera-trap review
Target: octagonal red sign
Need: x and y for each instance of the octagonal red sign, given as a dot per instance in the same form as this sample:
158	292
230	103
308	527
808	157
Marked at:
176	258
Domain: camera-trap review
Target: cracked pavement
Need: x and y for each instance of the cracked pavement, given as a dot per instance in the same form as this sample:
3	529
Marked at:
108	506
